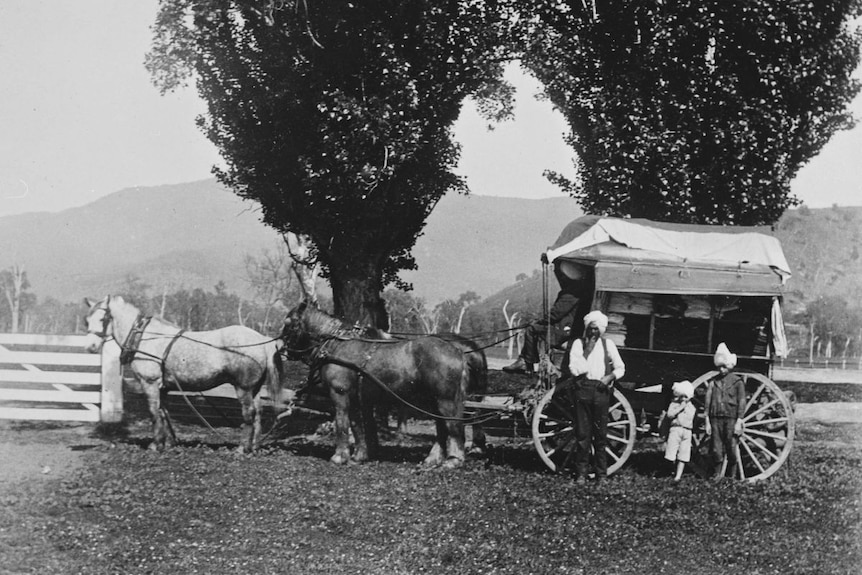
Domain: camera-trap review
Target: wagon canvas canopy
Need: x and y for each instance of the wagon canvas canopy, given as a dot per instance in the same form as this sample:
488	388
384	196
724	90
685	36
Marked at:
637	255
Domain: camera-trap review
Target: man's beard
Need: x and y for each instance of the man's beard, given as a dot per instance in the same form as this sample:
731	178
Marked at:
590	343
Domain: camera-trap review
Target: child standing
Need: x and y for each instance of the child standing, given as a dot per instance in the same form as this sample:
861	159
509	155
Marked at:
725	408
680	414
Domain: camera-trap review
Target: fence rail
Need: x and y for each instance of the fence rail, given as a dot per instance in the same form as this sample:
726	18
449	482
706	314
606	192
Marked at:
835	363
53	378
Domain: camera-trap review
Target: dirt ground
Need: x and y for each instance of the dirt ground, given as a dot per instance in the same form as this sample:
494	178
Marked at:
73	516
35	453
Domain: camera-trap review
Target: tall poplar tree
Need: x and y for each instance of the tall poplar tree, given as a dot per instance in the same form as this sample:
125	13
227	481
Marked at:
336	116
698	111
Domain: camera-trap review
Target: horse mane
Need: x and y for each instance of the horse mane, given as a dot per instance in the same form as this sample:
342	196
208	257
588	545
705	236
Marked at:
129	305
318	322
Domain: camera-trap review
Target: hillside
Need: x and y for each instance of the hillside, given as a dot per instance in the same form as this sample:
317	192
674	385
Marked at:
196	234
185	235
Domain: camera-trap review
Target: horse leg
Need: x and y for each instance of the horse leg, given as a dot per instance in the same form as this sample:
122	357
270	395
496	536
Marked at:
257	435
448	448
341	400
250	429
437	454
154	397
453	433
169	434
367	443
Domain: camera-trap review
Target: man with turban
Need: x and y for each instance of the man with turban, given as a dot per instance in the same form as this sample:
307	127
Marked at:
725	408
596	364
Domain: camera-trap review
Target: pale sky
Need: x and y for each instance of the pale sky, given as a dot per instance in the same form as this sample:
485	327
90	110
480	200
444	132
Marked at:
80	119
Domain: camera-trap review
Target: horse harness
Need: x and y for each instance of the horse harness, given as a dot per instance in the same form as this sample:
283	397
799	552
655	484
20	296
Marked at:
130	347
322	355
133	341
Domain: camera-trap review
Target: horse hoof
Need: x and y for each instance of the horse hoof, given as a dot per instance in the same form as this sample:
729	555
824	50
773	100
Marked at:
452	463
338	459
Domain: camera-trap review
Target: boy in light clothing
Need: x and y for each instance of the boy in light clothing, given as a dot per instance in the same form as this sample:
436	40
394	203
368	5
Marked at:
680	413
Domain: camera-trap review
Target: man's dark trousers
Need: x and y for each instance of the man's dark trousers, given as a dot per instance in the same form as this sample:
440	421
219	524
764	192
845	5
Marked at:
592	399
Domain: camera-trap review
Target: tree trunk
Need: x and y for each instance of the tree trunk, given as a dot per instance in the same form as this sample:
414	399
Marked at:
356	290
13	294
811	343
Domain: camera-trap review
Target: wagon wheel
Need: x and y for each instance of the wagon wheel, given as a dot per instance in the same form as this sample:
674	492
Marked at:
554	429
768	426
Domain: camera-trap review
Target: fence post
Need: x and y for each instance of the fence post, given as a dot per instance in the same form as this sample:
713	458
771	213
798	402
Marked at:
112	383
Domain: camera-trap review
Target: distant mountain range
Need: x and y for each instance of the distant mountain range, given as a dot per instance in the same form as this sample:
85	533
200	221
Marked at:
199	233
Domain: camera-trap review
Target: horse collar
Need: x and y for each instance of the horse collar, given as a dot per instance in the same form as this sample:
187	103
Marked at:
133	341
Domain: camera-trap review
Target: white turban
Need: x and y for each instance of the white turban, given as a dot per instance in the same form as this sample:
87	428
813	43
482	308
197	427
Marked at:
683	388
598	318
723	357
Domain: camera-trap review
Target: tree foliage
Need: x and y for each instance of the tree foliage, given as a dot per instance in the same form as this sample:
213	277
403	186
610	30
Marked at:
698	111
336	116
832	319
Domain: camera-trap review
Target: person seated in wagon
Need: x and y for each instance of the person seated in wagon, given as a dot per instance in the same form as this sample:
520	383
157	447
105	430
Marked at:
572	303
595	363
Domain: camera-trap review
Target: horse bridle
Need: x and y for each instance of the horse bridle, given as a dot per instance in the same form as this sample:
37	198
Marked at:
106	321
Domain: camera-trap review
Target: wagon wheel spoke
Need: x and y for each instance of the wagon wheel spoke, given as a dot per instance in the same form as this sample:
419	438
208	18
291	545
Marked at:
761	410
556	432
773	421
617	438
774	436
613	455
740	469
744	444
764	450
754	395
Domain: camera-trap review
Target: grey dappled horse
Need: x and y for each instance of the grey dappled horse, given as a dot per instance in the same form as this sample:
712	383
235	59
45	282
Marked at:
165	358
360	372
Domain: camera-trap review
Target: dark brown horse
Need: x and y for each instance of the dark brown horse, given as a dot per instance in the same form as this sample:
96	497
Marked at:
477	380
359	372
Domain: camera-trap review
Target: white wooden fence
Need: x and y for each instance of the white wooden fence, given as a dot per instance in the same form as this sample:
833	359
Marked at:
52	377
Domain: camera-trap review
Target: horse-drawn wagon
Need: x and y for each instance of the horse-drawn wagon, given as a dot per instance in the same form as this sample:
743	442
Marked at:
672	293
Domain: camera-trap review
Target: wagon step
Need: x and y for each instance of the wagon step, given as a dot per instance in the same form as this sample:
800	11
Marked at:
506	403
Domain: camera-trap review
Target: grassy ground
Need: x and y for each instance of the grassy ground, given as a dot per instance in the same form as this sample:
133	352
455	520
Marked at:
202	508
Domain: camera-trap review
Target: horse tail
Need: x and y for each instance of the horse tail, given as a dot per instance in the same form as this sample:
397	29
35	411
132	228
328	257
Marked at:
479	372
275	377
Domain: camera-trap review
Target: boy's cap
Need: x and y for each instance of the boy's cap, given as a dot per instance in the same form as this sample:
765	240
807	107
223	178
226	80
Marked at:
684	388
723	357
